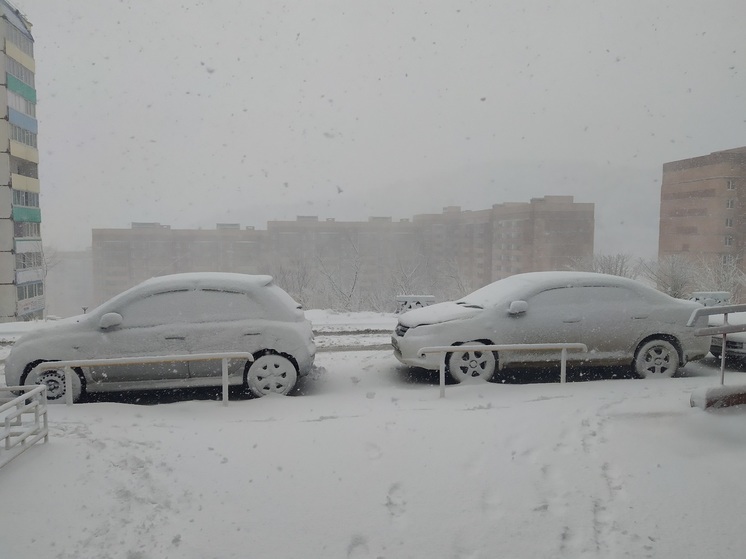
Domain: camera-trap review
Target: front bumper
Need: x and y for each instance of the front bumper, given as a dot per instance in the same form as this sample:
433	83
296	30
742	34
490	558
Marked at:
407	352
733	348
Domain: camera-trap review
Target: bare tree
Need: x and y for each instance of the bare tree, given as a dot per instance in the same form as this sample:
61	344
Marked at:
297	277
342	274
672	274
715	273
619	264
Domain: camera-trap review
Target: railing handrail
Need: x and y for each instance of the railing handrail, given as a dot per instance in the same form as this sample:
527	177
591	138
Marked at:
18	438
446	349
716	309
719	330
67	366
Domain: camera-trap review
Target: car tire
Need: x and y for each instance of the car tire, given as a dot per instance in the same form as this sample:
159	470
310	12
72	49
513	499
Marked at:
656	358
271	373
55	381
471	365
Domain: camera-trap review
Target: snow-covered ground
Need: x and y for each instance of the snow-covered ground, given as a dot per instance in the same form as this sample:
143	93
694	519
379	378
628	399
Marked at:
368	461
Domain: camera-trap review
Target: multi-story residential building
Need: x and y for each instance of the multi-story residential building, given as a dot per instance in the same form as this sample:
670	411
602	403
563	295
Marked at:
21	256
125	257
361	263
703	207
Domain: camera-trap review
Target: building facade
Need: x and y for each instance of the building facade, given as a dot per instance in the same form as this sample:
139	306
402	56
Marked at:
361	264
21	255
703	207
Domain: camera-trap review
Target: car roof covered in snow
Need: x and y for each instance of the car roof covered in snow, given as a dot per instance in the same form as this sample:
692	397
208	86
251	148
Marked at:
193	281
525	285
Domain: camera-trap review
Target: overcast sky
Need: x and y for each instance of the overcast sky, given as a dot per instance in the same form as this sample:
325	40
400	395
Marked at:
192	113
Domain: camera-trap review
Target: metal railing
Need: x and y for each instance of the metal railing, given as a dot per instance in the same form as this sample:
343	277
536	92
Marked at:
17	435
67	366
445	350
721	330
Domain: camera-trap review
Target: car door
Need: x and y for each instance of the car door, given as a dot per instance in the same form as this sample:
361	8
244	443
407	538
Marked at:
154	325
552	316
614	318
228	321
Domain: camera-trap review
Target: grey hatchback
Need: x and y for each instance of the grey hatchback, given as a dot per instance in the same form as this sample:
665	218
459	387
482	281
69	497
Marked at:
175	315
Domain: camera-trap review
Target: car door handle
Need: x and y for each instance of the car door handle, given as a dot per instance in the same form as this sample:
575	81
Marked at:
571	319
252	333
640	317
175	337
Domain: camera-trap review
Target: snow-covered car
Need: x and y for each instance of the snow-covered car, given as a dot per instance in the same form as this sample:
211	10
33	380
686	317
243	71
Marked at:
621	321
175	315
735	342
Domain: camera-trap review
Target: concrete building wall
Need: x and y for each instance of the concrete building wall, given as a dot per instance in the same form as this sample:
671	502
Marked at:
703	206
22	289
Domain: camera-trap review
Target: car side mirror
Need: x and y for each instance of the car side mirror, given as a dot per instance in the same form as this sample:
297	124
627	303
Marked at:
109	320
517	307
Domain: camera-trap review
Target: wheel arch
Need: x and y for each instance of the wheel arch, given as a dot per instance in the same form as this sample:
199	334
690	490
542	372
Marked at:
673	340
78	371
269	351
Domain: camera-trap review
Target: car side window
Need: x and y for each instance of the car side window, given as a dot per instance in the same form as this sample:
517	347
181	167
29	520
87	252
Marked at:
213	305
553	298
161	308
189	306
608	295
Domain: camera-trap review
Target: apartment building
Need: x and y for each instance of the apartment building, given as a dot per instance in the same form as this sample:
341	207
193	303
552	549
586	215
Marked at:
703	206
125	257
325	261
21	256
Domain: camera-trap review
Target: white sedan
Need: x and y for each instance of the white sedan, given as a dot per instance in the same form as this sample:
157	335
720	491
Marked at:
175	315
621	321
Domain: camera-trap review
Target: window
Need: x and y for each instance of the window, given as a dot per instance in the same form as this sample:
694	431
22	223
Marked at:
727	259
30	290
25	198
21	104
730	203
729	222
25	260
21	135
728	241
731	184
19	39
15	68
26	229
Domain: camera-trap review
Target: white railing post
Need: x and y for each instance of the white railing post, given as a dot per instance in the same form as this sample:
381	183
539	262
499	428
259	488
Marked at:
224	362
17	435
443	374
721	330
68	385
445	350
68	366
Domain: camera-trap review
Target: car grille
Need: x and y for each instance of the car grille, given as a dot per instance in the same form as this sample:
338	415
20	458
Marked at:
401	330
718	343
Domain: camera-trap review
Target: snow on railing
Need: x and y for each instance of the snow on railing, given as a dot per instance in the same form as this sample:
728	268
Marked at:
17	435
445	350
722	329
67	366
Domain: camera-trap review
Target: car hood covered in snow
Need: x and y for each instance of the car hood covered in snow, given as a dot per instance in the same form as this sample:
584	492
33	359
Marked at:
440	312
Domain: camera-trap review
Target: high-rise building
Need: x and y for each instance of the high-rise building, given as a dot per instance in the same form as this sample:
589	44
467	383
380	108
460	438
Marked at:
703	207
21	255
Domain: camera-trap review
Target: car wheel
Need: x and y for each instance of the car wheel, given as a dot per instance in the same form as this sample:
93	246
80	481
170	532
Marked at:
271	372
55	381
656	359
469	365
